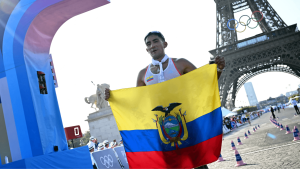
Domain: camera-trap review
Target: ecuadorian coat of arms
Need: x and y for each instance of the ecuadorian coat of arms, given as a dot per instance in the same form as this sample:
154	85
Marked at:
172	126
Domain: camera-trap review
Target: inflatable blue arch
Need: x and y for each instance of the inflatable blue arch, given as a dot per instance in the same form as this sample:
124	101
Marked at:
30	121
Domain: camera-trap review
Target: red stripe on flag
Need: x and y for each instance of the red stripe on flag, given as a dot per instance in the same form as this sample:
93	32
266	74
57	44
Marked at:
190	157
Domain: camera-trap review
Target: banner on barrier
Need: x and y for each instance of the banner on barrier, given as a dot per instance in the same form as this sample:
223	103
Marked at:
122	156
106	159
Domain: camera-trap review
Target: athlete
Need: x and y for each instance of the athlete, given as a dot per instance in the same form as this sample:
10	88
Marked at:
171	67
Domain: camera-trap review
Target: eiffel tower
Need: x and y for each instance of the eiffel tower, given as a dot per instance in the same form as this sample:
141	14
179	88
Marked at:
277	49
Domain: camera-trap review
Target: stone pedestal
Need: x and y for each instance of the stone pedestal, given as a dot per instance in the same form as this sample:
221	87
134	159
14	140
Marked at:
103	125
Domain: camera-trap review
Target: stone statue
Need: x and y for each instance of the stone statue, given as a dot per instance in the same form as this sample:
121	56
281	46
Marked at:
101	102
98	99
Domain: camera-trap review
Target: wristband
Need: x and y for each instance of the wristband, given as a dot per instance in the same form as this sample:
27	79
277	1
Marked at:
219	70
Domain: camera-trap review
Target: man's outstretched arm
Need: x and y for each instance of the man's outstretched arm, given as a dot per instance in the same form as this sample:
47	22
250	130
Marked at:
187	66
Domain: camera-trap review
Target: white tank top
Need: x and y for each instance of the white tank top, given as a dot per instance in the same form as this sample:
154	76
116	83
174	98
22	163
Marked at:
169	73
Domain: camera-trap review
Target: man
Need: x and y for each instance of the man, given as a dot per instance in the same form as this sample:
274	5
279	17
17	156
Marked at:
101	146
120	143
106	144
96	143
92	141
228	123
91	147
162	67
243	118
248	118
113	144
294	102
278	108
272	111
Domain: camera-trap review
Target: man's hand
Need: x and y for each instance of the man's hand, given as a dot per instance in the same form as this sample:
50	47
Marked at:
220	61
107	94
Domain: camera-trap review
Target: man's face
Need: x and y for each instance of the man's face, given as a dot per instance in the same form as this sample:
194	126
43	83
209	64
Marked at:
155	46
94	140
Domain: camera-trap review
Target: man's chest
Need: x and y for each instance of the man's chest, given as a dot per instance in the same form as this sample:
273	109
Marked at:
167	66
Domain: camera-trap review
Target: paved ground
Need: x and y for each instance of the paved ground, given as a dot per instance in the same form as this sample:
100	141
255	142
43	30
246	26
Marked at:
260	150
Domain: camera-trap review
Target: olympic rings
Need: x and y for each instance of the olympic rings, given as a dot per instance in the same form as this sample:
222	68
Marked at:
232	20
240	31
107	161
248	22
243	16
262	16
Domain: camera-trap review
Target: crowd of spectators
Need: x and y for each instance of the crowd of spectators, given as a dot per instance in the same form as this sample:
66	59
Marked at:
232	122
95	146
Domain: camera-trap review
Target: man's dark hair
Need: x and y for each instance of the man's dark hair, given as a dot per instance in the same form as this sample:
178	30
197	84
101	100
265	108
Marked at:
155	33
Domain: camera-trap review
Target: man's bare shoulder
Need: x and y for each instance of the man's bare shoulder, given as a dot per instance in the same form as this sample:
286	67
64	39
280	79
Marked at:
143	71
181	60
183	65
142	74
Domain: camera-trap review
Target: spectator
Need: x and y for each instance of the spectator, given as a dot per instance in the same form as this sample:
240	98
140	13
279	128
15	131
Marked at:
96	143
121	143
243	118
113	144
248	118
92	141
91	147
228	123
106	144
101	146
294	102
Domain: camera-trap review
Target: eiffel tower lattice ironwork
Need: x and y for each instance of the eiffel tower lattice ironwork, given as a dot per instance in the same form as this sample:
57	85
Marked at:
276	49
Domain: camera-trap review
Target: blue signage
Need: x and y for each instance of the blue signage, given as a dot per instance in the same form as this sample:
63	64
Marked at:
106	159
122	156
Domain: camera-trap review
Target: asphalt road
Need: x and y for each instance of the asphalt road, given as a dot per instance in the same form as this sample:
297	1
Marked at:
268	147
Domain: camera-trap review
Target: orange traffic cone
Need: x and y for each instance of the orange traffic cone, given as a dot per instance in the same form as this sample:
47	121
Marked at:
281	127
239	160
220	158
232	145
287	129
239	141
295	128
296	137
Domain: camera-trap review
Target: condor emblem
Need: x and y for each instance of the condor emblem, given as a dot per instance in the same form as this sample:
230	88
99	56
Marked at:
172	126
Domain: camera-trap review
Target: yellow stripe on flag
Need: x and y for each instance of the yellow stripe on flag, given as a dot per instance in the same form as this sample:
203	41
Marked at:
197	91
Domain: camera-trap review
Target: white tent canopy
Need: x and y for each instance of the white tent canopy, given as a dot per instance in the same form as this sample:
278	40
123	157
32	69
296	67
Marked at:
231	114
236	109
227	113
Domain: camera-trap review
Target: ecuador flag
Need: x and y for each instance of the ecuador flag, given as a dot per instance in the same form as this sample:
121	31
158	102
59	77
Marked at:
174	124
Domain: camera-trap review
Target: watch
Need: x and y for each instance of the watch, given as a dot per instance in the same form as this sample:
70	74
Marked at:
219	70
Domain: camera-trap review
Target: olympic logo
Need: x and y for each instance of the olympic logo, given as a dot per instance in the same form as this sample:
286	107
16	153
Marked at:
107	161
248	22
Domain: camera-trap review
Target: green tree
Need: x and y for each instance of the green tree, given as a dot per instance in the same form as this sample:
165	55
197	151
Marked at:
85	139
